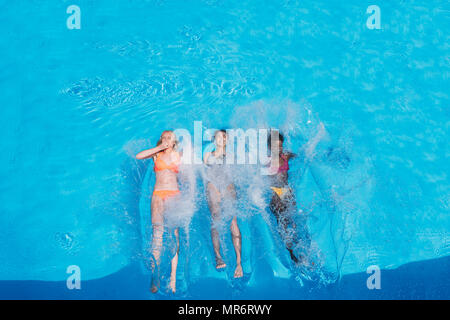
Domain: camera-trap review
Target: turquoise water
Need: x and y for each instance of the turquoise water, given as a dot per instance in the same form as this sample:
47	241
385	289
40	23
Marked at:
77	105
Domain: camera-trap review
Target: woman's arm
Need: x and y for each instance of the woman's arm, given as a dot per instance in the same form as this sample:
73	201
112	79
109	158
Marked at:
311	145
206	156
151	152
290	155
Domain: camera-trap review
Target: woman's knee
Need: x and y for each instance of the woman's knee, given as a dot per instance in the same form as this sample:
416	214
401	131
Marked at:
231	191
157	208
235	228
158	233
214	201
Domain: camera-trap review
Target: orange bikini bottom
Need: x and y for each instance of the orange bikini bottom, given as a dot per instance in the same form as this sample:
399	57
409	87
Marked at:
164	194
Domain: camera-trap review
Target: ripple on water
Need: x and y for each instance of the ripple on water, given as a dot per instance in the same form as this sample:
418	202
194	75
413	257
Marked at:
65	240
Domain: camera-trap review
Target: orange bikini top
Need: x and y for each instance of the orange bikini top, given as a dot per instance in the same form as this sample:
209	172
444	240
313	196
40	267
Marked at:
160	164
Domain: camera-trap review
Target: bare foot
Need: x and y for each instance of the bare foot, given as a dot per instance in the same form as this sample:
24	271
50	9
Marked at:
296	260
172	285
303	262
220	264
155	286
238	273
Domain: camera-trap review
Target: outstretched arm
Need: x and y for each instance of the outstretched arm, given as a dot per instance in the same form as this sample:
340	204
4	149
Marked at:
205	158
290	155
311	145
151	152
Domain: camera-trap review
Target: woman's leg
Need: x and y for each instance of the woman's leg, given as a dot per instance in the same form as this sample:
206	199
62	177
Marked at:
237	243
157	208
300	241
174	262
214	206
281	209
235	235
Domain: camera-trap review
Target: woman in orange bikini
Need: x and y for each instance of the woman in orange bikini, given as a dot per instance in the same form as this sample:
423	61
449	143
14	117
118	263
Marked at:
167	160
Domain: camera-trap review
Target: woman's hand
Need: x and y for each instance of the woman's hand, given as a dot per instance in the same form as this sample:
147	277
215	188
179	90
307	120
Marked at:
311	145
152	152
164	146
321	131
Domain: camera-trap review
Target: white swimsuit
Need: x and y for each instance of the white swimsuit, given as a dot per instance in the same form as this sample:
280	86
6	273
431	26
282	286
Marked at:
218	172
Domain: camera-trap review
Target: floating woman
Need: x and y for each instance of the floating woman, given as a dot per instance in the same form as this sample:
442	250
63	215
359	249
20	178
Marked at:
167	160
283	203
221	194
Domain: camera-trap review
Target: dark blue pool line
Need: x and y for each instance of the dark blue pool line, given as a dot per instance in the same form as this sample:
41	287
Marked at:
419	280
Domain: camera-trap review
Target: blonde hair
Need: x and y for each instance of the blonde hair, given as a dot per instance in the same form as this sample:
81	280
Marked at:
175	145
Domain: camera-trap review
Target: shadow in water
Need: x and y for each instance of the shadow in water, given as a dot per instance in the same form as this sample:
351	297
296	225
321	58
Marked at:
418	280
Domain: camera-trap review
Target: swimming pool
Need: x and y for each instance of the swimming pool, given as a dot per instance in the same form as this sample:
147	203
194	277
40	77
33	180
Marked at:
78	104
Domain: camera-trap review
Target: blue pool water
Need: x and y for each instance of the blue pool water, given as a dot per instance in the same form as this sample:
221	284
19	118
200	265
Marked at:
77	105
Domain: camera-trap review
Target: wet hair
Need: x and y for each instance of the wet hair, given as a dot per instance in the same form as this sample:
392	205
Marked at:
269	139
217	131
220	130
160	139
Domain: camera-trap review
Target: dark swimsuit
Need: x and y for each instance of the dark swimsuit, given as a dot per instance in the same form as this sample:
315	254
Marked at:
284	207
